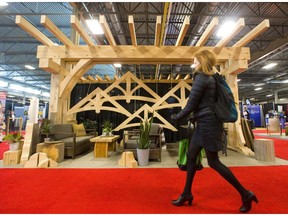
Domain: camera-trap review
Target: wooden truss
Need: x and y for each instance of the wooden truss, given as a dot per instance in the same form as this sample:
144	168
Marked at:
69	62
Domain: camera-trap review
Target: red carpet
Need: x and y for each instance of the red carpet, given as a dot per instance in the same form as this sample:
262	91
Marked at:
140	190
3	147
280	145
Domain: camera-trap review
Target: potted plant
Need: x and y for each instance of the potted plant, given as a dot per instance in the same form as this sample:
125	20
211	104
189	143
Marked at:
90	126
107	128
144	142
13	139
46	128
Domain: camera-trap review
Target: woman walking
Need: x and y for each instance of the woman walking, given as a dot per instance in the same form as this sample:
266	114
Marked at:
208	132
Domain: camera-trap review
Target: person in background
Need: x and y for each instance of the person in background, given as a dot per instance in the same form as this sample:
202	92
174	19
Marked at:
208	132
246	113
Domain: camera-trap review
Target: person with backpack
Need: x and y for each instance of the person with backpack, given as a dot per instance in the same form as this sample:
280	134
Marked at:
209	129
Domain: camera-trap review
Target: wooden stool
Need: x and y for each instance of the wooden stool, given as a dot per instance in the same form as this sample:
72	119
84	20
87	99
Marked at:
264	149
12	157
53	149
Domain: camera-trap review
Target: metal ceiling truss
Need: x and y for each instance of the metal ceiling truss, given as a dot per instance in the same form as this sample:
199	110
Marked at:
18	48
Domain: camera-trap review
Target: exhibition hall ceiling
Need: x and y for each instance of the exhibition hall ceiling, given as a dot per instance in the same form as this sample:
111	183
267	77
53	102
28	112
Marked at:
18	48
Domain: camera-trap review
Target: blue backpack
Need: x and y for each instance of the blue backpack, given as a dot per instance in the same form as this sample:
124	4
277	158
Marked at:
224	107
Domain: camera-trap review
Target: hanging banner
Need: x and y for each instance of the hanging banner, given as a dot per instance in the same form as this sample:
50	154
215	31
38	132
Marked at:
255	115
3	96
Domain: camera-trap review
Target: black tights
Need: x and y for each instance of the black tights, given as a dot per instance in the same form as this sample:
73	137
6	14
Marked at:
214	163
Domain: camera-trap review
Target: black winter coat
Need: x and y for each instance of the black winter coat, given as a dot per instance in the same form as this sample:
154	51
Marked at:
203	93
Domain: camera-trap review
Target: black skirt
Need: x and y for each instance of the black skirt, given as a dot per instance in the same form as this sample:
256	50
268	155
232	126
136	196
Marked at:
208	133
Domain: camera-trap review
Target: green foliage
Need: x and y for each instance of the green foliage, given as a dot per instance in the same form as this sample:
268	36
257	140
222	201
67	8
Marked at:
46	127
90	124
13	137
107	126
145	127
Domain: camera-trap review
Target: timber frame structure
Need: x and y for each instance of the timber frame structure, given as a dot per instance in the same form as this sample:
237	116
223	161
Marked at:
69	62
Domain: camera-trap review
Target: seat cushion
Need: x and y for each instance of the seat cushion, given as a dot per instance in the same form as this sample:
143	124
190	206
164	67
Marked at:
79	130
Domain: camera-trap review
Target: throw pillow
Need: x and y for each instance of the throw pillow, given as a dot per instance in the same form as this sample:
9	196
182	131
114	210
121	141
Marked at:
79	130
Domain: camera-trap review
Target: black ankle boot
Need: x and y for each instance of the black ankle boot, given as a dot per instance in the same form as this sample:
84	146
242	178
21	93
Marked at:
182	199
247	202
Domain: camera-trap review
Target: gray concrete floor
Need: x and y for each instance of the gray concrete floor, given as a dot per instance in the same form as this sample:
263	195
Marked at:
169	158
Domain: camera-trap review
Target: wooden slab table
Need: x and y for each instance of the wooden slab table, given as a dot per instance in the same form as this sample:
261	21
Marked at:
103	144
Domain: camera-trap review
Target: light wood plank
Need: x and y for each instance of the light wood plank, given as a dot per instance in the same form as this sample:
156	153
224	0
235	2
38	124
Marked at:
157	31
106	29
82	32
50	66
240	24
47	23
99	78
259	29
132	30
183	31
208	32
127	54
34	32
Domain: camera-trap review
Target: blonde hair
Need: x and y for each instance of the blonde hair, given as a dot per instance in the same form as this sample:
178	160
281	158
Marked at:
207	60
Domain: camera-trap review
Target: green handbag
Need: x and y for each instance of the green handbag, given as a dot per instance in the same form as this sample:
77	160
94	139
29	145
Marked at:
182	158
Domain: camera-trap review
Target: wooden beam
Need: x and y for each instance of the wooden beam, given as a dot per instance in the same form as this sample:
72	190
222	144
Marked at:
106	29
47	23
259	29
236	67
240	24
126	54
187	77
116	77
208	32
178	77
132	30
89	77
34	32
107	77
183	31
157	31
82	32
73	77
99	78
50	66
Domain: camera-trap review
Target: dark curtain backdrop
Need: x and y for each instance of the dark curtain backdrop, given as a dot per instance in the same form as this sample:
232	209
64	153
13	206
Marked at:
82	90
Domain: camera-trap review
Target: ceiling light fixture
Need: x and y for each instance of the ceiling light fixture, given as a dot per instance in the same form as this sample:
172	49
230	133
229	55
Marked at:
271	65
226	29
269	95
3	84
257	89
29	67
259	84
3	4
193	66
117	65
94	26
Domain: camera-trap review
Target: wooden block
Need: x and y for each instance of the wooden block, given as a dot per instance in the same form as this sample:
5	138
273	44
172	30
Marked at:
264	149
122	161
32	162
44	163
11	157
127	160
52	163
54	151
